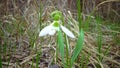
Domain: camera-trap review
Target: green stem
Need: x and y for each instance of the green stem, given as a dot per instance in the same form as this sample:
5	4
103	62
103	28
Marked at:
57	50
67	52
79	14
40	14
37	59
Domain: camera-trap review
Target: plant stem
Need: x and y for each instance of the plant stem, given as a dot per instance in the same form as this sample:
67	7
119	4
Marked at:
67	52
79	14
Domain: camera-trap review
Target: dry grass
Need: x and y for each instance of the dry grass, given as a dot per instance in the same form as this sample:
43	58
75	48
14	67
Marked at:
19	28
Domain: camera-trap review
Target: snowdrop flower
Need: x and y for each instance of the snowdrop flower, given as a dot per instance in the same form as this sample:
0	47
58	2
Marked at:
55	26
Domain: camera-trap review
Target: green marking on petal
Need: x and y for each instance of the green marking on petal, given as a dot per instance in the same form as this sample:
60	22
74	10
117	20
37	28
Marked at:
56	24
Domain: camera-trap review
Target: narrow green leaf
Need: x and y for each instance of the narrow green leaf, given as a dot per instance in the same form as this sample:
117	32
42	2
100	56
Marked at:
61	45
82	61
37	60
79	14
78	46
40	14
87	60
99	37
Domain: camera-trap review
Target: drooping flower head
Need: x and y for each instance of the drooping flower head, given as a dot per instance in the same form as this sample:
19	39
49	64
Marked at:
56	26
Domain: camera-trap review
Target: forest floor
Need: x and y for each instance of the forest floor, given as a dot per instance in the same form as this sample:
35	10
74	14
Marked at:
21	46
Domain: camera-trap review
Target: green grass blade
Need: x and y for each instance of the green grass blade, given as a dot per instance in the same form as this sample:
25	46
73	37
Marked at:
61	45
87	60
40	14
99	42
99	37
79	14
78	46
82	61
67	52
37	60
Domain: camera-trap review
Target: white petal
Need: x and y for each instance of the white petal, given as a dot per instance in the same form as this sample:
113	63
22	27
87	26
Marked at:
45	30
67	32
56	28
52	32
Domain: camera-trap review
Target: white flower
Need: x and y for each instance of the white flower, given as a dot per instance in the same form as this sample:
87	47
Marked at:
52	28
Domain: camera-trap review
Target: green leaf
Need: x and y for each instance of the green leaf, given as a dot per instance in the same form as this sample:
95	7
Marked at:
78	46
61	45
